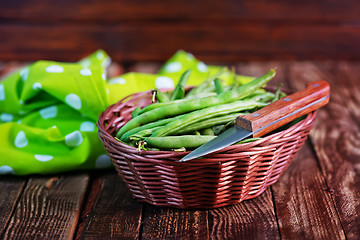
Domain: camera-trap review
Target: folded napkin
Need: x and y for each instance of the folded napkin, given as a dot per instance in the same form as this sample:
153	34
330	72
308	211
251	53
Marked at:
48	110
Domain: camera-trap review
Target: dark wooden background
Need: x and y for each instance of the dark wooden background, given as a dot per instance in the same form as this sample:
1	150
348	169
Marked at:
215	31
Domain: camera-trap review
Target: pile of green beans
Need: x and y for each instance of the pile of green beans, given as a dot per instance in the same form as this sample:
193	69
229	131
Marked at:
180	120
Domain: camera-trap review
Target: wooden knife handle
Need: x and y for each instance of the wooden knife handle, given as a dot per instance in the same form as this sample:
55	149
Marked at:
286	109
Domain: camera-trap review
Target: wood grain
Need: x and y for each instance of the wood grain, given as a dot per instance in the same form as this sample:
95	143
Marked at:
336	137
111	212
171	223
304	206
140	30
113	10
11	188
250	219
49	208
157	41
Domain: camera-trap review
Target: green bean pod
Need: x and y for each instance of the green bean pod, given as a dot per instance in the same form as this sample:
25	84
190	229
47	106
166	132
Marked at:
161	122
162	97
135	112
207	131
196	104
179	90
219	87
171	142
208	123
206	113
205	86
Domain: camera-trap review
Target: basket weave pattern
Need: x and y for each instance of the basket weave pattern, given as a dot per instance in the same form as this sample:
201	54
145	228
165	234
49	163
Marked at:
234	174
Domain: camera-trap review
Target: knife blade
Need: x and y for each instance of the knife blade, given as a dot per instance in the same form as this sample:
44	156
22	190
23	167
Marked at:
268	118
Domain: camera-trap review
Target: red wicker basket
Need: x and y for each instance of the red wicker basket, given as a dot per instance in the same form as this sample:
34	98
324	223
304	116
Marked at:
234	174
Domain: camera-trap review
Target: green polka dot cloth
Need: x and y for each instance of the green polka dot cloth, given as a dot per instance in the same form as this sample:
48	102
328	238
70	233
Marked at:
48	110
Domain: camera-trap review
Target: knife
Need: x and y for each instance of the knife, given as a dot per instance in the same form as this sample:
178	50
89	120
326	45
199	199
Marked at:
268	118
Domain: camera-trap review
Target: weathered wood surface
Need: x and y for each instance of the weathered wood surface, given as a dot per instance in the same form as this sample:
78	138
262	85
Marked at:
48	208
253	219
336	136
11	188
152	31
112	213
316	198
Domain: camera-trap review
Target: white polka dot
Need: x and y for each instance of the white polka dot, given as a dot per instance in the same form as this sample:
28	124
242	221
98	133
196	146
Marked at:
54	69
2	92
103	161
73	139
73	100
100	55
85	63
21	102
6	170
164	82
107	91
49	112
103	75
6	117
43	158
118	80
21	140
87	126
190	57
37	86
24	73
85	72
173	67
202	67
19	121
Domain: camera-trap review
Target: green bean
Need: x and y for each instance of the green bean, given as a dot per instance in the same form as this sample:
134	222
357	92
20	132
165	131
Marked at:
161	122
135	112
179	90
277	93
161	96
208	123
205	85
219	87
143	133
264	97
207	131
225	118
195	104
248	140
206	113
187	141
160	104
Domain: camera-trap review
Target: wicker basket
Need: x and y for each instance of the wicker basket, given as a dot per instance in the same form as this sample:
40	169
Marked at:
234	174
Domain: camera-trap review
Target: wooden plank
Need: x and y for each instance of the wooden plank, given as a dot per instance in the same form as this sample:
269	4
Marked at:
304	207
335	136
112	10
49	208
171	223
250	219
12	187
159	40
111	212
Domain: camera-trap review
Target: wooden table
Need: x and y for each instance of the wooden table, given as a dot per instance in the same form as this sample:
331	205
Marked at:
318	197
